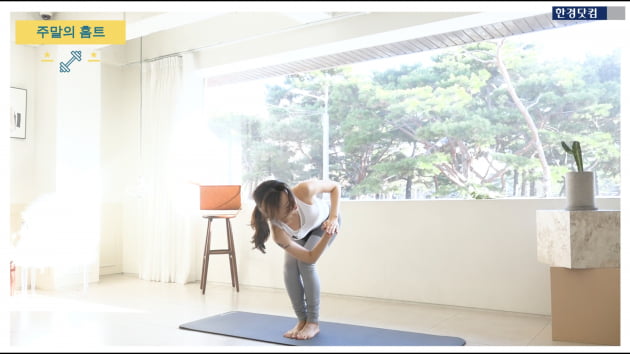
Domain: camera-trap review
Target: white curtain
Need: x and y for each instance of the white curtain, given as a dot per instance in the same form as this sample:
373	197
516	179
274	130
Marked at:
168	241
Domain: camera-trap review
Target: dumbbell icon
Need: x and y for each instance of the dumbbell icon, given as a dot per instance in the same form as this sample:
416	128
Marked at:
65	67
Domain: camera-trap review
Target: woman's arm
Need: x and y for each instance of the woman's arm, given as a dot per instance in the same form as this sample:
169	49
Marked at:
300	253
305	191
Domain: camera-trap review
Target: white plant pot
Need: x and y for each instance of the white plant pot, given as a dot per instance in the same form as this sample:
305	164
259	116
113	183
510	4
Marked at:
580	191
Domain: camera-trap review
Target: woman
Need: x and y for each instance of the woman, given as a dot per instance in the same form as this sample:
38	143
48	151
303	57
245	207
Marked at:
303	225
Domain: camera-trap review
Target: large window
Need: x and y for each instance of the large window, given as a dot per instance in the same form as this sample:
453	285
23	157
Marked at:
483	120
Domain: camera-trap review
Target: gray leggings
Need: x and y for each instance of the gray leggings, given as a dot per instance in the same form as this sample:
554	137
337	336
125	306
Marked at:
302	281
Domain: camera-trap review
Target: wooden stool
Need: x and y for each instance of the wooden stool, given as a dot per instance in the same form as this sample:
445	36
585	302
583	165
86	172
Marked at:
220	202
229	251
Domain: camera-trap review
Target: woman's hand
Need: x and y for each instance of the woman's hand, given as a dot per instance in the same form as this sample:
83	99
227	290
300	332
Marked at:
331	226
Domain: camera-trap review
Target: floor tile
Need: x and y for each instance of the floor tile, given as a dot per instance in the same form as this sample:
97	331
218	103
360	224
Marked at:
123	311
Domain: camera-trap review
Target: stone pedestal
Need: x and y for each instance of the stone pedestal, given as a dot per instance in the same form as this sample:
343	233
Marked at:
582	250
578	239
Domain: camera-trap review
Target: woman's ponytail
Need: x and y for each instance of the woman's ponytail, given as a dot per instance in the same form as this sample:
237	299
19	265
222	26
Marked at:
261	229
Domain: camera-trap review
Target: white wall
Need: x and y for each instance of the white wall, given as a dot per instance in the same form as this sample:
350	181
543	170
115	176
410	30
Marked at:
120	158
61	152
113	159
22	153
472	253
57	103
23	167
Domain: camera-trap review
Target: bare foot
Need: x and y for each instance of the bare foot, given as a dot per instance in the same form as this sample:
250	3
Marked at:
293	333
308	331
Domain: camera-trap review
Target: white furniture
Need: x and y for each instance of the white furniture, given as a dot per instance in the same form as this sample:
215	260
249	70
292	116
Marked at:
59	235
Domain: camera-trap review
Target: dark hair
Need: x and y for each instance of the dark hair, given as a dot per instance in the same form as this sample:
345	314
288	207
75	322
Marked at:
267	197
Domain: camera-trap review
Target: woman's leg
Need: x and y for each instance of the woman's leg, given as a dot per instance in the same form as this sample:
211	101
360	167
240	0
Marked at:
295	289
310	278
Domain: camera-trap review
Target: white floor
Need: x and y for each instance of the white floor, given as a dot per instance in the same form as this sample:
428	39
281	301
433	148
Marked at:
123	313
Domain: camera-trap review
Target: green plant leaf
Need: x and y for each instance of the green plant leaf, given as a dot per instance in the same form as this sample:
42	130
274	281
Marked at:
577	152
567	148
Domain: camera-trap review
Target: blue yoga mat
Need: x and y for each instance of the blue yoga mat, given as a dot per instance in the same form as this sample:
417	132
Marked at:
270	328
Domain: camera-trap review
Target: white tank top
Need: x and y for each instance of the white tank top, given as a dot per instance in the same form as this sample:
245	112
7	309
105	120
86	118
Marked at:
311	216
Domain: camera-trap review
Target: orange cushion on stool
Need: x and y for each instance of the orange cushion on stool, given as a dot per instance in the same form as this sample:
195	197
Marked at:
225	197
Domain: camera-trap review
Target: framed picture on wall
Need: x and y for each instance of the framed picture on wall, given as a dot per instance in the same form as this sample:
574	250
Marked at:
18	113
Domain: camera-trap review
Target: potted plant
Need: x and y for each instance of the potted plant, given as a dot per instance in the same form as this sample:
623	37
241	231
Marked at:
579	184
